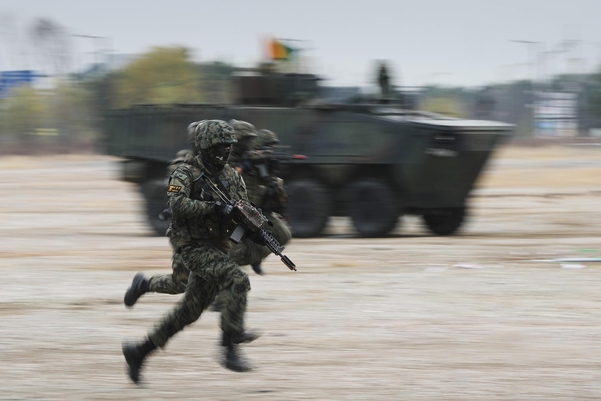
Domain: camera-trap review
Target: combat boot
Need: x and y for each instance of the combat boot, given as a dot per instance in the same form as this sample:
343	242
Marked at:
139	287
231	353
134	356
243	337
233	361
257	268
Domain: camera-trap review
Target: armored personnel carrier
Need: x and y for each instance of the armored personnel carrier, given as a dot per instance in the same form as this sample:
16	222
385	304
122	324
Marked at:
371	161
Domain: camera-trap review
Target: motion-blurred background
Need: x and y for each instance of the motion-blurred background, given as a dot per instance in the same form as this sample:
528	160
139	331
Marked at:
509	309
534	64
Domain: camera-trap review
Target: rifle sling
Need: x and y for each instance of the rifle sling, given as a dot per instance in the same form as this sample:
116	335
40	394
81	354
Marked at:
222	187
217	181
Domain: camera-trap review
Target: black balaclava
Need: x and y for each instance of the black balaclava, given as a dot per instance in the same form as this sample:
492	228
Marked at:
216	157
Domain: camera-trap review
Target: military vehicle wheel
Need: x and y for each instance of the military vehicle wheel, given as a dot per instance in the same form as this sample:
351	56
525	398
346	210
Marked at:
445	221
156	199
308	208
372	208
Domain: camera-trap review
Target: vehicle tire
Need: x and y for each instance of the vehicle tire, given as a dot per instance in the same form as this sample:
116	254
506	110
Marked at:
372	207
308	208
155	193
445	221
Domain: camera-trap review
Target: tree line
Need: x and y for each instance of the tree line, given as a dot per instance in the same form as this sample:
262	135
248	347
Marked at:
68	116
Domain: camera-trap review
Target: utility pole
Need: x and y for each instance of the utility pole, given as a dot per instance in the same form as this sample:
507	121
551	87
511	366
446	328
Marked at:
532	95
531	56
97	50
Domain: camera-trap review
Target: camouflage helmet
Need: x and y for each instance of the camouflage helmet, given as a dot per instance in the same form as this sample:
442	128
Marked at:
213	132
192	131
267	138
243	129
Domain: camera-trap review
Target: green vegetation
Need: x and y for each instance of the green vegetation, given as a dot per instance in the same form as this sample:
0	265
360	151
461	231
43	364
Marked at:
68	117
25	111
61	119
164	75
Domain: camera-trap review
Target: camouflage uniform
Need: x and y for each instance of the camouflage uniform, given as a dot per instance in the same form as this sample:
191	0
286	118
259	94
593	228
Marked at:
174	283
273	194
244	253
203	238
201	228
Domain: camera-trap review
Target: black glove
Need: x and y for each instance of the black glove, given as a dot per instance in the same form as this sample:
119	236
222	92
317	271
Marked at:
165	214
224	209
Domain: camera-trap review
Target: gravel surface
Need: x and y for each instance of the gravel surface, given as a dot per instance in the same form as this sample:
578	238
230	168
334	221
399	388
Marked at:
489	314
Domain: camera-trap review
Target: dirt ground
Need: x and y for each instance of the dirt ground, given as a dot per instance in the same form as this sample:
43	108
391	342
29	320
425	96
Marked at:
489	314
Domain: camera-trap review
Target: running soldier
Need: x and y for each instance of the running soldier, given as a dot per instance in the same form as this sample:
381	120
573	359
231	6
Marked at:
255	161
201	227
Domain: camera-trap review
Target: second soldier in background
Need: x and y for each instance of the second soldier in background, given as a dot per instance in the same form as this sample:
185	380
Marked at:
253	156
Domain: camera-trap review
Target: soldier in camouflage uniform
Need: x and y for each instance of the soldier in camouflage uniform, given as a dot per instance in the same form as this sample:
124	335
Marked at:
202	227
265	190
246	252
245	135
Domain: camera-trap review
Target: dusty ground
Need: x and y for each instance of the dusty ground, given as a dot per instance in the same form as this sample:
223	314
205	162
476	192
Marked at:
412	317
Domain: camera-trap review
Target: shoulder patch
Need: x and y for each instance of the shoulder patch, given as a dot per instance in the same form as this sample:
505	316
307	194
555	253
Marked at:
174	188
182	172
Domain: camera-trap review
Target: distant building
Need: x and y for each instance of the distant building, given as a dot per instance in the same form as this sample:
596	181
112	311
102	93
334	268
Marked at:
556	113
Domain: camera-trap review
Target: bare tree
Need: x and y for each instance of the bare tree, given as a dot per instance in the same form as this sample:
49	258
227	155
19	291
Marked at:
11	48
53	45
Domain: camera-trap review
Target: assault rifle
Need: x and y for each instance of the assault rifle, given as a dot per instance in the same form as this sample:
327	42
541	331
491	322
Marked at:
250	221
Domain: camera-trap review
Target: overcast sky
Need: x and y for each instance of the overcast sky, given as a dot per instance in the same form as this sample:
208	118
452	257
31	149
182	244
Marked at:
450	42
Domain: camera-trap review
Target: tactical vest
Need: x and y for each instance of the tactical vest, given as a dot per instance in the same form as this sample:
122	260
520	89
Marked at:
200	227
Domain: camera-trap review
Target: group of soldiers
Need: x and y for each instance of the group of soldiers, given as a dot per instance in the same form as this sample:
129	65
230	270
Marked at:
206	266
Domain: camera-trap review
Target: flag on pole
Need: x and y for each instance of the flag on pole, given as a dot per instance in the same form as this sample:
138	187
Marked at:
280	51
